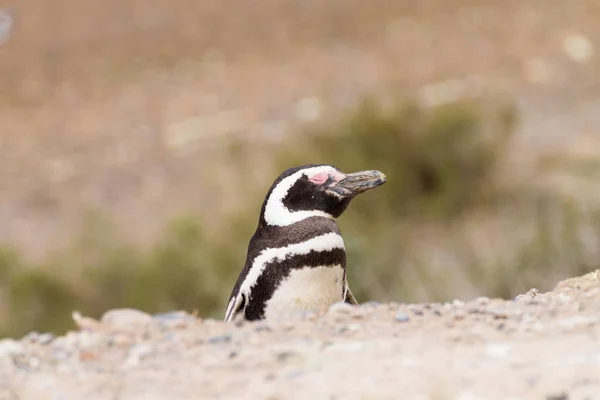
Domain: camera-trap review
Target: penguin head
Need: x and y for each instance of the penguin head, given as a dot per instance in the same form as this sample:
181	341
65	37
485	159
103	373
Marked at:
314	190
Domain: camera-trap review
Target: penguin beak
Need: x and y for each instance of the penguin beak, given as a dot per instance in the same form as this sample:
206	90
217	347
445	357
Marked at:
359	182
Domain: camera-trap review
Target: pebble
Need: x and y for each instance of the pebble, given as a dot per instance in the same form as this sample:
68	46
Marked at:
498	313
345	346
36	337
341	308
61	354
482	301
458	303
138	352
220	339
497	350
371	304
460	314
557	396
26	362
474	308
529	295
174	319
173	316
262	326
125	318
349	328
401	316
11	347
416	310
285	355
295	374
576	322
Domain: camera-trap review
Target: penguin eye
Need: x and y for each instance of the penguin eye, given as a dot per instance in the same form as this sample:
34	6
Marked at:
321	178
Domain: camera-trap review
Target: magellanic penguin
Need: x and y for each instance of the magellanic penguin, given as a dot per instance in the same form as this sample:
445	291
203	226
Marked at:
296	259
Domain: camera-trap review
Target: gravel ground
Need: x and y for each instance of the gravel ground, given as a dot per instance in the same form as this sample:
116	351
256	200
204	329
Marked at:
537	346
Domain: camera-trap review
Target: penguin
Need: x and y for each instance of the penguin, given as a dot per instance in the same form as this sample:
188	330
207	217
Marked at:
296	259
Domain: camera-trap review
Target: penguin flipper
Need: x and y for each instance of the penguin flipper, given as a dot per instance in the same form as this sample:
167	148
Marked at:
350	297
236	307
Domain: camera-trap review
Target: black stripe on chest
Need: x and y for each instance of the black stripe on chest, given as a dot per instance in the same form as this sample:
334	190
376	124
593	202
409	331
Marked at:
269	237
277	271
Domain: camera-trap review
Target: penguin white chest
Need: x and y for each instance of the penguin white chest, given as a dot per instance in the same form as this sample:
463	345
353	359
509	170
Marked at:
306	289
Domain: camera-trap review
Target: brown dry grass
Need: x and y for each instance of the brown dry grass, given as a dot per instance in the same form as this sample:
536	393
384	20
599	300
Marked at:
89	90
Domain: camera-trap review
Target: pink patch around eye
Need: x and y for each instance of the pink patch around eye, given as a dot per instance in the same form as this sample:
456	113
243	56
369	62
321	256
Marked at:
322	177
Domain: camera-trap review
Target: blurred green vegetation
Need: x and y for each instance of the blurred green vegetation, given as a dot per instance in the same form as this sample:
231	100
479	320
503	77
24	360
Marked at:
443	227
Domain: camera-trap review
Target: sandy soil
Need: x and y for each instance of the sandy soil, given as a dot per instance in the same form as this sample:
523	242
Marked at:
537	346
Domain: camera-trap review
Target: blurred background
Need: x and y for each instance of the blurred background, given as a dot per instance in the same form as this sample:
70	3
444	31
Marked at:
138	139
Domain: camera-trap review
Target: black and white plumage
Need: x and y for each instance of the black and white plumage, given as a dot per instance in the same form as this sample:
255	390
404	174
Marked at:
296	259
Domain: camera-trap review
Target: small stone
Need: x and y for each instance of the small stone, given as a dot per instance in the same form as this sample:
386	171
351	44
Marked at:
558	396
460	314
497	350
295	374
349	328
138	352
172	316
88	355
126	318
285	355
458	303
262	326
564	298
371	305
482	301
401	316
497	313
346	346
341	308
529	295
576	322
27	363
174	319
10	347
36	337
61	354
220	339
270	377
416	310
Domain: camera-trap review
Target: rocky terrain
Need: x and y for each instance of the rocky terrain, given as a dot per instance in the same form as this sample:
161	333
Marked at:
121	111
537	346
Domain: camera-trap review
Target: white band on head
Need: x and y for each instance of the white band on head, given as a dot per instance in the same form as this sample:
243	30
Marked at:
276	213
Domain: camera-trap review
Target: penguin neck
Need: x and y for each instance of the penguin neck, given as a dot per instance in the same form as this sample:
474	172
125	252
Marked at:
273	236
